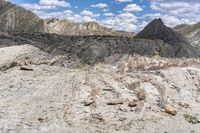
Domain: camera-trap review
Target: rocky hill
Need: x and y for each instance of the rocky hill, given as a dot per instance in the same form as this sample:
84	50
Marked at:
181	26
66	27
14	18
180	46
192	33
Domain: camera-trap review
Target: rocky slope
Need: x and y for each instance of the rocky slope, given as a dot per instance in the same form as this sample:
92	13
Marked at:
14	18
90	49
93	49
181	26
65	27
192	33
180	46
124	94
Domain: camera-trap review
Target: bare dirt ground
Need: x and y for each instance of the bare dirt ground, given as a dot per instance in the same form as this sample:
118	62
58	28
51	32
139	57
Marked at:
119	96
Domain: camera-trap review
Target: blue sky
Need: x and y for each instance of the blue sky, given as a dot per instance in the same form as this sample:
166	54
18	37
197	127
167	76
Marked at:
126	15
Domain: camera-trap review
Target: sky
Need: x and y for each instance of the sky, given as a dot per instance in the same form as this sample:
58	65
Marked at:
122	15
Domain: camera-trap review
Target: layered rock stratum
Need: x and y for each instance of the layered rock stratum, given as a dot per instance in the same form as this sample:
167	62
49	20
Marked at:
192	33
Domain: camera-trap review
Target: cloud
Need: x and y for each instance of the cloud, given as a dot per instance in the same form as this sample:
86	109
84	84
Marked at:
124	0
132	8
177	11
89	13
45	5
100	5
122	22
60	3
37	7
66	14
173	12
108	14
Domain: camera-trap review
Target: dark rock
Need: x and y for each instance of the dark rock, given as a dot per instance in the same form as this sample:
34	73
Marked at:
115	102
142	95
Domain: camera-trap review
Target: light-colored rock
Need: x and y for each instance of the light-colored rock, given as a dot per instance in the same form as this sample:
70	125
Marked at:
26	68
170	109
184	104
142	95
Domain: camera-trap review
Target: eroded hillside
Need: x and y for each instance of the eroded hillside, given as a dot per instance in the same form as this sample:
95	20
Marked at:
123	94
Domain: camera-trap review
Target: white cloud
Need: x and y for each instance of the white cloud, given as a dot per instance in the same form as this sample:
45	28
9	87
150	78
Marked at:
108	14
37	7
106	10
100	5
60	3
124	0
45	5
169	20
132	8
89	13
177	12
122	22
68	12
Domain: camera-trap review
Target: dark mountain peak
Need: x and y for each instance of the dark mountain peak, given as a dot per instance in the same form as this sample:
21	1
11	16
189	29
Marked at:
158	21
156	29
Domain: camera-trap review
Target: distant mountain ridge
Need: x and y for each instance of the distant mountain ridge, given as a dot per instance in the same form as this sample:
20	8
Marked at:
181	26
192	33
66	27
14	18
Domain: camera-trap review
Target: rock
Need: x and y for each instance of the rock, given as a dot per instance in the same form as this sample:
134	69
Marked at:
191	118
26	68
170	109
183	104
41	120
88	103
124	108
132	103
115	102
139	106
142	95
97	117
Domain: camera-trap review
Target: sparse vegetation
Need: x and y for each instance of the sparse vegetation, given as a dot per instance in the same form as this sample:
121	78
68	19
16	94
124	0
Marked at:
191	118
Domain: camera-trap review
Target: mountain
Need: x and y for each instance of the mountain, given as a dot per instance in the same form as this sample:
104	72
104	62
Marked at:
180	47
192	33
66	27
180	26
14	18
